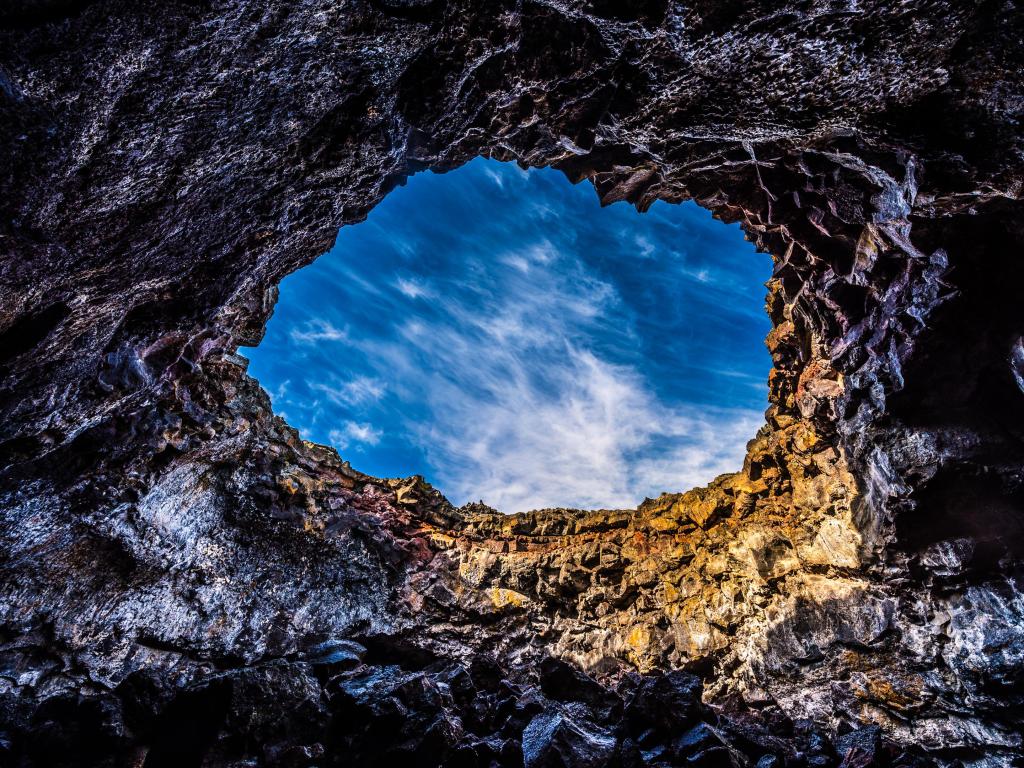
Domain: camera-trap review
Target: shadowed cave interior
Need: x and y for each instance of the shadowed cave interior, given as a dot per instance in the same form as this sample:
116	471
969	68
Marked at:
186	582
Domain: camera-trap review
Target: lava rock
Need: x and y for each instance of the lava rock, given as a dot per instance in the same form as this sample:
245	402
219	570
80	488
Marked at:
170	545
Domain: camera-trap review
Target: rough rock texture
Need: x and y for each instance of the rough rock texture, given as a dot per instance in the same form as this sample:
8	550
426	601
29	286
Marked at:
186	582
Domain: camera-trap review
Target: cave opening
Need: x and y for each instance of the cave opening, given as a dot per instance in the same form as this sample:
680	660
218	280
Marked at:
500	333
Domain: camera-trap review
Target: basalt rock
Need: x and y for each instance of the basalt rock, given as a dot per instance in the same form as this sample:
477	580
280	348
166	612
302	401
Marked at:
184	581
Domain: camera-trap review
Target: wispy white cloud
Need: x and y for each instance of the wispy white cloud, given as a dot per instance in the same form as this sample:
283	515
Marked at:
280	392
413	288
318	330
502	351
700	275
517	261
356	391
645	249
522	413
598	438
353	434
504	177
497	178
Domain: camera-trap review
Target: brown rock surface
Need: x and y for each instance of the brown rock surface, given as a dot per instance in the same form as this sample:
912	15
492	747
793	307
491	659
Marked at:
186	582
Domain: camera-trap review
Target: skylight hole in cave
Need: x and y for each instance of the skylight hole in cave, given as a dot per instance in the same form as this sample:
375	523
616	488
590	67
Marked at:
498	332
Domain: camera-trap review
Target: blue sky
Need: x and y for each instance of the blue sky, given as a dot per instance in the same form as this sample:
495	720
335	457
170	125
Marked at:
500	333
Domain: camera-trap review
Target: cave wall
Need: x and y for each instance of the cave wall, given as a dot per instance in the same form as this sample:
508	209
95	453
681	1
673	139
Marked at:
172	547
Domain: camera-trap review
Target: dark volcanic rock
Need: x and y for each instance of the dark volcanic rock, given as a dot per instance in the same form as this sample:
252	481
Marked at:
185	581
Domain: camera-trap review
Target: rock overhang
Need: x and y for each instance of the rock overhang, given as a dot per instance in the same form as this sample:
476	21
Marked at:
163	526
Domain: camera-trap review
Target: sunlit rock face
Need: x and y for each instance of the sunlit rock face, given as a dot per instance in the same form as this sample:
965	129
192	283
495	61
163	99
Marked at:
185	582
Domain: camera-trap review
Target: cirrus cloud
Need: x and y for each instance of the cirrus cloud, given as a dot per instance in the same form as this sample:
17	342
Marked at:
500	333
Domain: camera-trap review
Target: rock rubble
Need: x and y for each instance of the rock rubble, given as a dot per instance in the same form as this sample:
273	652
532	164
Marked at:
184	581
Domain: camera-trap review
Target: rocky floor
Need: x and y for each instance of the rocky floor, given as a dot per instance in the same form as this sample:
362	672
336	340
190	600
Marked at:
186	582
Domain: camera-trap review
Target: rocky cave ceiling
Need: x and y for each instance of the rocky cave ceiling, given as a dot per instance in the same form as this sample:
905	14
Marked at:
185	582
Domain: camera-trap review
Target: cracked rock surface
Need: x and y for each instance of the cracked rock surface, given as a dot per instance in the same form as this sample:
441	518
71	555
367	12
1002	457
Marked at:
185	582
